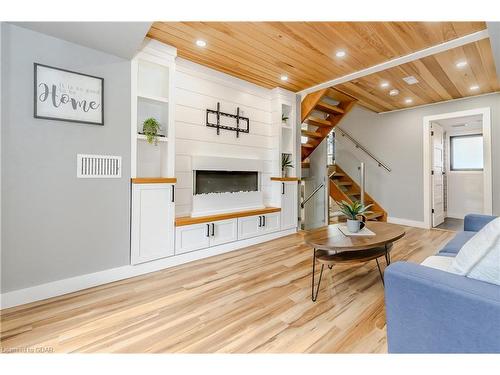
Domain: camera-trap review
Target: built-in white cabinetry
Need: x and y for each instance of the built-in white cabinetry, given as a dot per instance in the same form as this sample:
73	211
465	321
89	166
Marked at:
192	237
223	231
253	226
153	215
289	210
152	164
200	236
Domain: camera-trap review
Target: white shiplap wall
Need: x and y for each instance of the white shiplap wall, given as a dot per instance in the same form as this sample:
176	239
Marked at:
198	88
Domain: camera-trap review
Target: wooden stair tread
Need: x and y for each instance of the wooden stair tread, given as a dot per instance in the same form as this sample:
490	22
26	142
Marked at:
328	108
307	145
311	134
319	122
344	183
339	96
374	215
338	175
305	164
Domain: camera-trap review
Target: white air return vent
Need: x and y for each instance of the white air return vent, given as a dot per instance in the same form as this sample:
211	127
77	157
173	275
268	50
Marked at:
98	166
410	80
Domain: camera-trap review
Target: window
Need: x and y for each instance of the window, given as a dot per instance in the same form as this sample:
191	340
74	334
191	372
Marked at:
466	152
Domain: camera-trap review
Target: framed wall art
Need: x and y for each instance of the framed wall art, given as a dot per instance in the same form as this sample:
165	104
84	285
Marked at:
63	95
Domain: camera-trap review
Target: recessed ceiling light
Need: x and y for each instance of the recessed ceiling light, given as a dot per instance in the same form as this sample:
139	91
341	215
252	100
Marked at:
340	53
394	92
474	88
201	43
384	85
408	100
461	64
284	77
411	80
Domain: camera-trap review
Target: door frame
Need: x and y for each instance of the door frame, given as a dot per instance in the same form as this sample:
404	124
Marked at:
427	180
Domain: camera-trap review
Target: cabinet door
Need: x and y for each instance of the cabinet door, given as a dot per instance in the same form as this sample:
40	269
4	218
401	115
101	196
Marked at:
223	231
248	227
271	223
289	214
192	237
152	234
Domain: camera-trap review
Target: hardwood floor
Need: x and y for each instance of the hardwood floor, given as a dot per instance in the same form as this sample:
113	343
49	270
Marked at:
252	300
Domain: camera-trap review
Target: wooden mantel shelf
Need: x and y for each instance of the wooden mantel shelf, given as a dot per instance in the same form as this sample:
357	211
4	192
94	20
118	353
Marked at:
154	180
188	220
285	179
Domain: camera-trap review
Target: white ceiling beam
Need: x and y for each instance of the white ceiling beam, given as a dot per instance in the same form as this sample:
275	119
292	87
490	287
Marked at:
470	38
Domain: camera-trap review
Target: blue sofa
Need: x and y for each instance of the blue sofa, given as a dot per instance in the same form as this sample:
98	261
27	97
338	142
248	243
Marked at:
433	311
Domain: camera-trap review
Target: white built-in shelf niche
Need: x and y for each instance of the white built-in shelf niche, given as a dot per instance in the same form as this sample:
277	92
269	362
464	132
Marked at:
151	93
287	131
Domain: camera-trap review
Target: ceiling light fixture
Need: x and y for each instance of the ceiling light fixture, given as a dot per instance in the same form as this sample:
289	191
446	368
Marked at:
340	53
474	88
461	64
408	100
393	92
384	85
201	43
284	77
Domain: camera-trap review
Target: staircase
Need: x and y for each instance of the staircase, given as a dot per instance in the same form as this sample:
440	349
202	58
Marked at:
322	111
343	188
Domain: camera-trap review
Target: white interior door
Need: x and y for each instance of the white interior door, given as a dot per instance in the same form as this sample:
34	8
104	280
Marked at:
437	165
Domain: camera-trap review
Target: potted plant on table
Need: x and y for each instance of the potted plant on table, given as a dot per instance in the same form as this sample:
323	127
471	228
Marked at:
353	211
151	128
286	164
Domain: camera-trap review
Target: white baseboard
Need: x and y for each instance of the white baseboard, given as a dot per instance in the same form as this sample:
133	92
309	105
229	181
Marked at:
73	284
409	223
455	215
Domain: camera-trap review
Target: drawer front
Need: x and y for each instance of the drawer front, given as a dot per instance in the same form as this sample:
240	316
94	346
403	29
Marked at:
223	231
192	237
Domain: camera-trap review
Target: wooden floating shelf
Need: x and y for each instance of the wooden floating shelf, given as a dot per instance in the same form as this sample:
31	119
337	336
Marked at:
154	180
285	179
188	220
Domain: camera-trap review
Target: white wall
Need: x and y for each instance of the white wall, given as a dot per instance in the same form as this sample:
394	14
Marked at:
464	188
198	88
396	138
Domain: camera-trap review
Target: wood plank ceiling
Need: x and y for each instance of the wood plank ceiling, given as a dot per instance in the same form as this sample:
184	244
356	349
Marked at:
261	52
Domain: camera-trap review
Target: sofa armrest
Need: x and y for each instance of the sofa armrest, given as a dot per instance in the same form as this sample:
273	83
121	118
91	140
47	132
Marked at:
432	311
475	222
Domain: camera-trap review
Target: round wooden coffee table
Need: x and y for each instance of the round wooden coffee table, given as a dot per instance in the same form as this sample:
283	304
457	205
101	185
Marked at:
331	247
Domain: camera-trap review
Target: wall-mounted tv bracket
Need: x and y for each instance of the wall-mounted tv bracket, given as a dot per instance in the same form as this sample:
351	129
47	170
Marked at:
239	121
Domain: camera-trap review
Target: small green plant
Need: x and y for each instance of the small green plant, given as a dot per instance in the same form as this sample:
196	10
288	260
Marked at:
354	209
284	118
151	127
286	163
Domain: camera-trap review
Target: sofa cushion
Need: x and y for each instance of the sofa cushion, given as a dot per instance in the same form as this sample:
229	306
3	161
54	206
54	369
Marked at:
453	247
479	258
442	263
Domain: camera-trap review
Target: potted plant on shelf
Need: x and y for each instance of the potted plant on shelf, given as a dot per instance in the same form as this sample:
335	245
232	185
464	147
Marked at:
150	128
286	164
284	118
353	211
